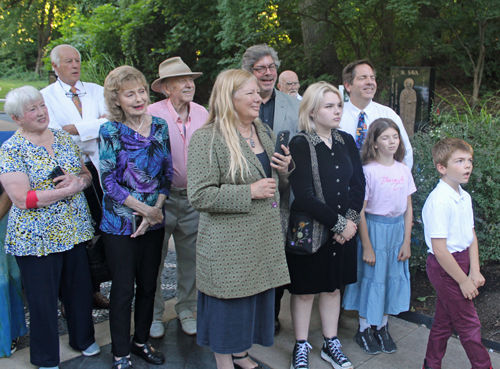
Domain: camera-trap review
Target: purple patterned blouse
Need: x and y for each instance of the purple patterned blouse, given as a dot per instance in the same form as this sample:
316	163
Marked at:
134	165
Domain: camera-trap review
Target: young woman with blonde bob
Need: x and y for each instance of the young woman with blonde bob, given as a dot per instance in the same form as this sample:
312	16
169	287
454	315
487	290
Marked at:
342	183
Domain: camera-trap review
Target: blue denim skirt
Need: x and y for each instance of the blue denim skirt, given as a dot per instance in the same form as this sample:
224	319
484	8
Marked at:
385	287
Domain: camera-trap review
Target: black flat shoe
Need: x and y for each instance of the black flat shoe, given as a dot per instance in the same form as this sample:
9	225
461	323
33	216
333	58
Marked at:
277	326
236	366
147	353
123	363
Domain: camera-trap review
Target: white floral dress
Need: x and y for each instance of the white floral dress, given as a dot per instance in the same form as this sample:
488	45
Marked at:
54	228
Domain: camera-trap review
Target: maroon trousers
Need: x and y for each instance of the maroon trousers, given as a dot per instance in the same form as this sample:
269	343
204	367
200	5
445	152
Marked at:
454	311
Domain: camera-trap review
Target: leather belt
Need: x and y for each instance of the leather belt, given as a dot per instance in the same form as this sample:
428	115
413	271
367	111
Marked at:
179	191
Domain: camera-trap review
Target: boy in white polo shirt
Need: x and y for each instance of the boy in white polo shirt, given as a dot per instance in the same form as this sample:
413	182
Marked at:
453	260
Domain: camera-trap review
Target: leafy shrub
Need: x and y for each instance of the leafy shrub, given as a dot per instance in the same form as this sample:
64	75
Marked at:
96	72
479	125
12	69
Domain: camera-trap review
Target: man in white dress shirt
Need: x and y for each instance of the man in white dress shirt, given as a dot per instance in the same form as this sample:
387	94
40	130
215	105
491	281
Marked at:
79	109
360	82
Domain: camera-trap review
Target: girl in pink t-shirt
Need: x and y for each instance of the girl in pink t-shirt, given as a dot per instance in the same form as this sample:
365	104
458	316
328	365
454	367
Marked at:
383	285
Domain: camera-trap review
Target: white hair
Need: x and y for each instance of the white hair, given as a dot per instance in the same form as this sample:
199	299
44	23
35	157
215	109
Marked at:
164	83
17	99
55	58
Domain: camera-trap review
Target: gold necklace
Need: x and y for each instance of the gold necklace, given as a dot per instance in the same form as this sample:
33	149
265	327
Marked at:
140	125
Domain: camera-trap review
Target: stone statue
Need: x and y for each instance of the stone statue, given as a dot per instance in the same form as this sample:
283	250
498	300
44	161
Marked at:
408	106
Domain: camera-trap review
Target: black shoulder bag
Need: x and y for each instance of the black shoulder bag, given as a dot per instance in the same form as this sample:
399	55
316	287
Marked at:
306	235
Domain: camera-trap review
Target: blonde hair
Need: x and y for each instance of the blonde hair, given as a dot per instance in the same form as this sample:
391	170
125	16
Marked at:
442	150
311	103
117	80
224	118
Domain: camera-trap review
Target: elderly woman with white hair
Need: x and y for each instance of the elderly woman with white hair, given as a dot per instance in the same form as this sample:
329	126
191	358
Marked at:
43	173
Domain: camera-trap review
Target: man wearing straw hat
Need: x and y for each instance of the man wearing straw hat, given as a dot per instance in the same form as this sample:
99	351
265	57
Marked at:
183	117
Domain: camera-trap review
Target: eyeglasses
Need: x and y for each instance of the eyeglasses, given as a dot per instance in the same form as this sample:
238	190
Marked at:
79	94
262	69
71	94
290	84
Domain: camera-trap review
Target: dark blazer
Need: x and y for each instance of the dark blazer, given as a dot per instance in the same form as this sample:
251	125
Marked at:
286	113
240	246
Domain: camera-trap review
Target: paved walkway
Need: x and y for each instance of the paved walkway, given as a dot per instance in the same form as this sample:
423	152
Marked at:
181	351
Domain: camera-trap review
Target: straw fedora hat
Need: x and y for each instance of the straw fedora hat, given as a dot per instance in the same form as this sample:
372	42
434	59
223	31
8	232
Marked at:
172	67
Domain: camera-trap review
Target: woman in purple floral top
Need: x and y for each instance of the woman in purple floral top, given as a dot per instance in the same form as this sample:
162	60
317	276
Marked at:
136	173
132	165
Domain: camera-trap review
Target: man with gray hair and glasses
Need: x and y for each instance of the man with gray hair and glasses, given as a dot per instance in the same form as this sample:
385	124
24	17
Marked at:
78	108
278	110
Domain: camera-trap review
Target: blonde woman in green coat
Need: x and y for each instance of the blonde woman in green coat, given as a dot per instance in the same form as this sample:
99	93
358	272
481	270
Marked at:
234	181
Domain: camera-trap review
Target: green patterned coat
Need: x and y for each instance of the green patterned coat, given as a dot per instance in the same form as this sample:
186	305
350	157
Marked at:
240	246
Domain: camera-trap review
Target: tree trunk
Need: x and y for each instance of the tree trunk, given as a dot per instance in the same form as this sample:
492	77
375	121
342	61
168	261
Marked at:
44	27
321	56
38	67
479	67
388	39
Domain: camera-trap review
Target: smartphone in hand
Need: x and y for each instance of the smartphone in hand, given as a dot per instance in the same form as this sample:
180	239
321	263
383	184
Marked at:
282	139
136	222
56	172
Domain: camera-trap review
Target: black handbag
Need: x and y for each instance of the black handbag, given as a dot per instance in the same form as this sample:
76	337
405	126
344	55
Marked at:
300	234
306	235
99	270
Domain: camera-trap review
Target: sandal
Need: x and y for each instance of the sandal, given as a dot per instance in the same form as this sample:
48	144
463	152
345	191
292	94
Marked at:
236	366
122	363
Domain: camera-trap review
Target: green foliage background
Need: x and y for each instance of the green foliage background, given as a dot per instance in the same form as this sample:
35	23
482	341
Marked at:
316	38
